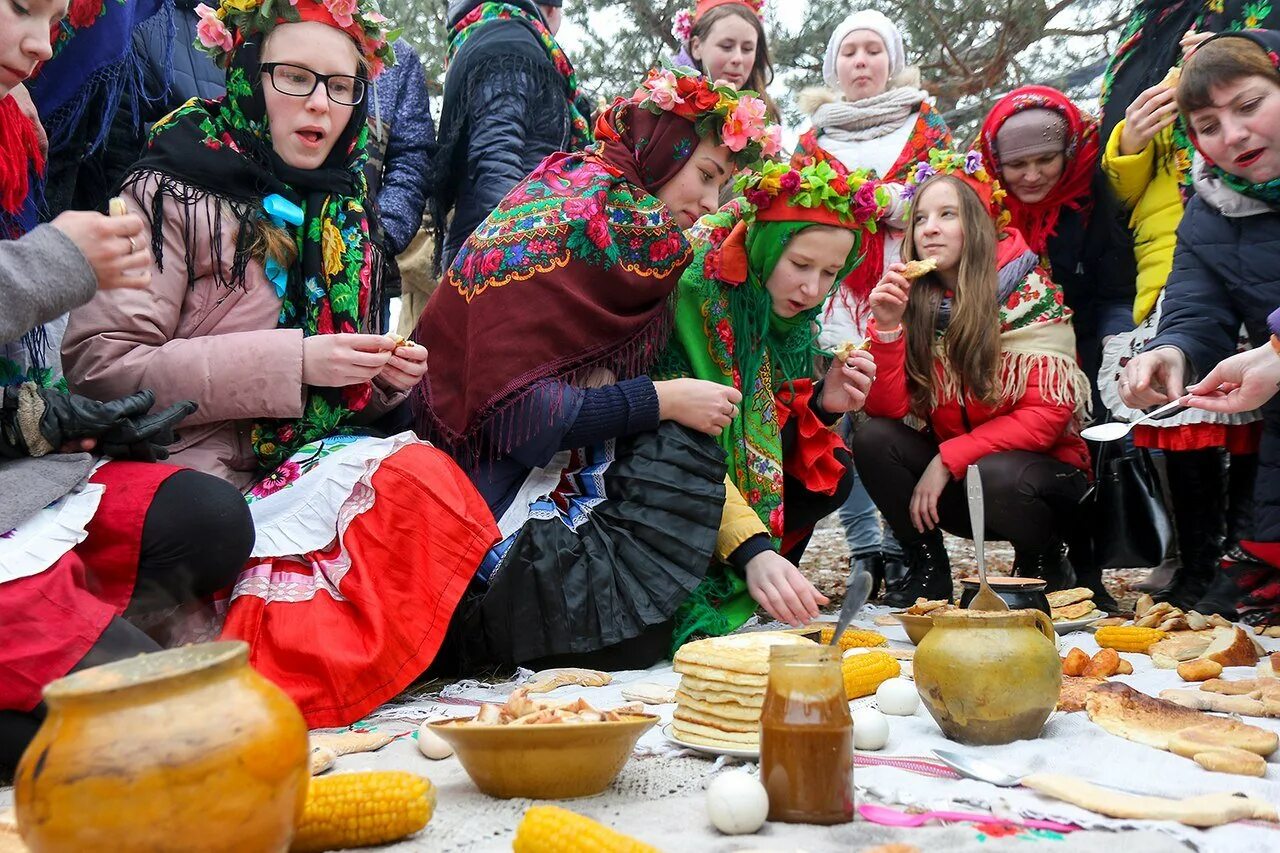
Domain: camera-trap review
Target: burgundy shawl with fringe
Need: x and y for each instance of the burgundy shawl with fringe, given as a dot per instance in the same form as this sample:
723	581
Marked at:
572	274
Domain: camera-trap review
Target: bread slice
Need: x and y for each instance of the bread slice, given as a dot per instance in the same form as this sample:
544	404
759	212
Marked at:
1231	647
1135	716
1179	647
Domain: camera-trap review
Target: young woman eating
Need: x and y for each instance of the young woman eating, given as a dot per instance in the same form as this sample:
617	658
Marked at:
98	559
872	117
608	486
746	318
982	350
1226	270
265	283
725	40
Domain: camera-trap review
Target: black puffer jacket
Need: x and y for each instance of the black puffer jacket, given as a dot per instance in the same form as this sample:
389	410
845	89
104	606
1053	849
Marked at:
1226	271
504	112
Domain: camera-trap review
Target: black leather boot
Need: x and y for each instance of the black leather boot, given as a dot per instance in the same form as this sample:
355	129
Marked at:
895	573
1088	575
1049	564
1222	597
872	564
1198	487
928	573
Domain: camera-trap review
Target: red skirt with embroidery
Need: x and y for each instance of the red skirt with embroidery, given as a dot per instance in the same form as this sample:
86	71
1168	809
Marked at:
1236	438
50	621
342	648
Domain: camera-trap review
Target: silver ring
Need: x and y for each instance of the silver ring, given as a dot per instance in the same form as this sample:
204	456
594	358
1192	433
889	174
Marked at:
133	247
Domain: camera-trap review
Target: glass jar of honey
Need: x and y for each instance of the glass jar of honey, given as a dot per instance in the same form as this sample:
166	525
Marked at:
806	737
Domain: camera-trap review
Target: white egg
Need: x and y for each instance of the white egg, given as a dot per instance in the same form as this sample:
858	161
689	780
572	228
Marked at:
737	803
432	745
870	729
898	697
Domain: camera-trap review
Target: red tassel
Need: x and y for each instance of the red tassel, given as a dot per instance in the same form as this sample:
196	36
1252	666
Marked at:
19	155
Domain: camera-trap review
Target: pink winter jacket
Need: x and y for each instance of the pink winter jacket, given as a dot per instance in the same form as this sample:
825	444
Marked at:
210	343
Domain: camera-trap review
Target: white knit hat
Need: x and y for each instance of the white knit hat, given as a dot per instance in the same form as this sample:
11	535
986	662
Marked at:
864	19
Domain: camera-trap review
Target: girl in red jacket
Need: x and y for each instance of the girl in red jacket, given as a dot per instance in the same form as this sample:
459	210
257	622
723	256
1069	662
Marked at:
981	350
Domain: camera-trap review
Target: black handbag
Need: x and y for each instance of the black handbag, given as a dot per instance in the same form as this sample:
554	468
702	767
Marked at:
1126	509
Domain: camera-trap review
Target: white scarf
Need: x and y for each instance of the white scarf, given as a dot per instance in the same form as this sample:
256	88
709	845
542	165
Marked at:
869	118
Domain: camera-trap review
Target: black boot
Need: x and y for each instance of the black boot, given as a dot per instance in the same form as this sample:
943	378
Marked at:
928	573
1088	575
872	564
895	573
1049	564
1198	486
1222	597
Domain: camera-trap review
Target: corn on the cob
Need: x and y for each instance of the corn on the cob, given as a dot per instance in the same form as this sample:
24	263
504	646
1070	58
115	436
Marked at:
864	673
1128	638
854	638
360	809
551	829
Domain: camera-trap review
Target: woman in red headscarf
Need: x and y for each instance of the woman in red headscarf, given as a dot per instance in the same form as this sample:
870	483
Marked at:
607	486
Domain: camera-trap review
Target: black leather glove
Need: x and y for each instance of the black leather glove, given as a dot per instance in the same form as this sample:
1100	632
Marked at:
145	438
36	421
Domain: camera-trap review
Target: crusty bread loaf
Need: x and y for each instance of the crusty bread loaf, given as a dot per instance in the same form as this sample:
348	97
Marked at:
1269	667
1183	646
1231	647
1145	719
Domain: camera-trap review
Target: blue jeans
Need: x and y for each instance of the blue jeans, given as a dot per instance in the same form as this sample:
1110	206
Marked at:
863	528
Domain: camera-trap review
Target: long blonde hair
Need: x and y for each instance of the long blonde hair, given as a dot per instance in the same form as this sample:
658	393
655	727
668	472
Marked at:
971	343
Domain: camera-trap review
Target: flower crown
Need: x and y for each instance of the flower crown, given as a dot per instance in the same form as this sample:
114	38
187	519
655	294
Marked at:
221	30
968	167
685	20
816	192
738	119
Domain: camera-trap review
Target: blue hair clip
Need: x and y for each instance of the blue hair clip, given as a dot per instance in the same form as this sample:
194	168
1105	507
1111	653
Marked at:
281	210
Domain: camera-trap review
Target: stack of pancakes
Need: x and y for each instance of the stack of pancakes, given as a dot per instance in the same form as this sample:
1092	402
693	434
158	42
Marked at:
1070	604
722	684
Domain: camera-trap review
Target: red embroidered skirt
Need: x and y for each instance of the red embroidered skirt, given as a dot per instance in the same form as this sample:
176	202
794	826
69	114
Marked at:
342	649
50	621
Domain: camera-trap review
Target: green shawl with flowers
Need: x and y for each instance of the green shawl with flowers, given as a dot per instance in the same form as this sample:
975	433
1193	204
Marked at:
729	333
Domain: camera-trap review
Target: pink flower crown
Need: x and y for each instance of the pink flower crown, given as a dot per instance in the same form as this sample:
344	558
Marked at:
738	118
222	30
968	167
814	193
686	20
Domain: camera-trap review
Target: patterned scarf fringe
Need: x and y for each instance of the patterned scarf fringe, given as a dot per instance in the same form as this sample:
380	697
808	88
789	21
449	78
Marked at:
1062	382
190	200
520	412
121	83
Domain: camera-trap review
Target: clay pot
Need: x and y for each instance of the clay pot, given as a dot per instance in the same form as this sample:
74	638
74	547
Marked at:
989	677
1018	593
182	750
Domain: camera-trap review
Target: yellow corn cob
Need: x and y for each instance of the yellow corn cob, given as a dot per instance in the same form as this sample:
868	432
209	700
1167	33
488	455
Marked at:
864	673
854	638
360	809
551	829
1128	638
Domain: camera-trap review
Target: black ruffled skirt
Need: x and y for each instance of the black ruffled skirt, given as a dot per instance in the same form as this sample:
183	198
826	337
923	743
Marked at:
608	554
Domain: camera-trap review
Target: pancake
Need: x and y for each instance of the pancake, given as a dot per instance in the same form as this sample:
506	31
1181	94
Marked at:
1063	597
697	685
740	680
717	697
703	739
731	710
1074	611
716	722
695	733
737	653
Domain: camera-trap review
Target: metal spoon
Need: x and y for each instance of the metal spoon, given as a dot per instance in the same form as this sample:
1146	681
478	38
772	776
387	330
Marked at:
986	599
1116	430
976	768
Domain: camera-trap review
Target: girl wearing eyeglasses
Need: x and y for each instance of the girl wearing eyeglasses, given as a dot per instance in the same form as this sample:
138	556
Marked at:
263	295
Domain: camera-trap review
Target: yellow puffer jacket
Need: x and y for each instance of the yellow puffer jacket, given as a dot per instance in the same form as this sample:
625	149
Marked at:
1147	185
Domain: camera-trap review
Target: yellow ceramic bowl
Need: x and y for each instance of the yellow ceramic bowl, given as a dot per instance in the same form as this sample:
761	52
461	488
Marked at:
555	761
915	626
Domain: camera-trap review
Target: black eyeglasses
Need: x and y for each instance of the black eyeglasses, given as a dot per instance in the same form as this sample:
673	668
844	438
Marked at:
300	82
